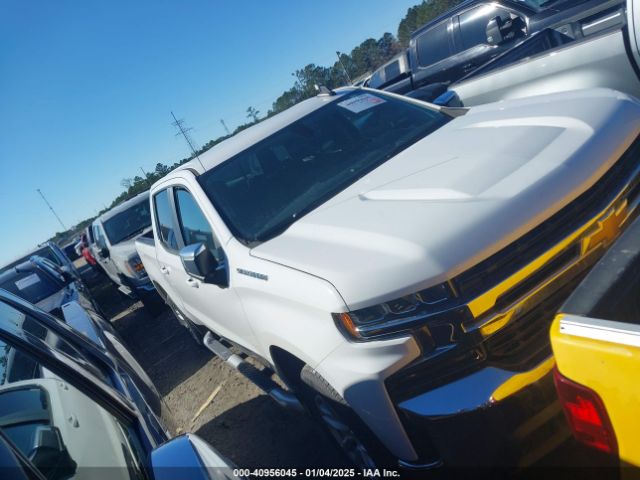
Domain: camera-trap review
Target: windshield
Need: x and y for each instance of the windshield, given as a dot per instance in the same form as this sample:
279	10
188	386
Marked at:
33	286
264	189
128	223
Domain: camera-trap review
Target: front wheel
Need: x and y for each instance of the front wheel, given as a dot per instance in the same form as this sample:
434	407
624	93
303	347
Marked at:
352	437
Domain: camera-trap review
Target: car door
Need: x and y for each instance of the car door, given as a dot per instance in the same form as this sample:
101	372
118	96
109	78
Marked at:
166	246
217	307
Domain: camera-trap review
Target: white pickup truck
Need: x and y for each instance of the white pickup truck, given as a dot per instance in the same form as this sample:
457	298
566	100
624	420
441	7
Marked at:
598	48
114	233
398	264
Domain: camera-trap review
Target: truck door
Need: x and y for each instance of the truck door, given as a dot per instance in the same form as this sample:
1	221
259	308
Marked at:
432	55
216	307
166	247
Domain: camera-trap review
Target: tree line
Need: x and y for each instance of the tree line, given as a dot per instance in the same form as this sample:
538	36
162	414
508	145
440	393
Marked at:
348	67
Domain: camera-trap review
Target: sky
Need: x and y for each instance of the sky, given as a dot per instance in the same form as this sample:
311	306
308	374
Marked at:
87	88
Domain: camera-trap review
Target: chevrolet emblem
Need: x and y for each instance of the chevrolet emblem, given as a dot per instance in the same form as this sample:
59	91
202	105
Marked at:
606	229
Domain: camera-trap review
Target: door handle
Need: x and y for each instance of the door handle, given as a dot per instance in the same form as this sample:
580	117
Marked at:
192	282
164	270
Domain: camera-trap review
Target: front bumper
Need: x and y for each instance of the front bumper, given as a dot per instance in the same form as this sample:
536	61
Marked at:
463	424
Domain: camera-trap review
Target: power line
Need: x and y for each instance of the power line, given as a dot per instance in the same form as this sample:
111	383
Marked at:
51	208
344	69
179	124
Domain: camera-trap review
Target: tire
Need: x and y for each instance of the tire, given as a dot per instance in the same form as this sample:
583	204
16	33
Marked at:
353	438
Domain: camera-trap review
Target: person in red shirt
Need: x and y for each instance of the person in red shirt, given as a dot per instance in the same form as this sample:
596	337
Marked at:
86	253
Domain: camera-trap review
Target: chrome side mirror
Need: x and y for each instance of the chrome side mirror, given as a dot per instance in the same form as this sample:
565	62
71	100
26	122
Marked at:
199	263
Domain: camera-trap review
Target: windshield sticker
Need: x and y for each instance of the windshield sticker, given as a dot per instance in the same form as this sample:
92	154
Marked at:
26	282
359	103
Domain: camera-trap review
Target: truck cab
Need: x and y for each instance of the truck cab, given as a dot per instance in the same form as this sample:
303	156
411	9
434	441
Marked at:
468	36
397	264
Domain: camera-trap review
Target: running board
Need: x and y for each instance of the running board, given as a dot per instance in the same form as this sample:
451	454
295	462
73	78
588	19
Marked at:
257	377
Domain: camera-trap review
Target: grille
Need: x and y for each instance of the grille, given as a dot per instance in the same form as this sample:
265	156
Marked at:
524	343
519	346
512	258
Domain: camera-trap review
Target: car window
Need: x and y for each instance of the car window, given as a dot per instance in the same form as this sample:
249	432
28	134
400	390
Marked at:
193	224
473	24
392	70
31	285
264	189
433	45
100	241
62	432
128	223
164	220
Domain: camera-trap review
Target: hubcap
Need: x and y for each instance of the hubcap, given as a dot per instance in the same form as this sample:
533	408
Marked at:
344	436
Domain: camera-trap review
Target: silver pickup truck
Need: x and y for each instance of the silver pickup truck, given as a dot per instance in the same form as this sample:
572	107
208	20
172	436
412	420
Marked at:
599	49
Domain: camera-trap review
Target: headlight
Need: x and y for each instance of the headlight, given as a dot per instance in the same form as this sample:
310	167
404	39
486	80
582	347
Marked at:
433	307
135	267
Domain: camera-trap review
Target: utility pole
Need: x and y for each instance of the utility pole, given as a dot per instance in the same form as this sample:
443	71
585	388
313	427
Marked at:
225	127
179	124
51	208
344	69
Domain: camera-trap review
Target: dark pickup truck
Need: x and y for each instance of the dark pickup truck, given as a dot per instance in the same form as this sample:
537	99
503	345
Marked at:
473	33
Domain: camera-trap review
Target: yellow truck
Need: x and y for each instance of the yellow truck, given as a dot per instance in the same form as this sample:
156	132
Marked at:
596	343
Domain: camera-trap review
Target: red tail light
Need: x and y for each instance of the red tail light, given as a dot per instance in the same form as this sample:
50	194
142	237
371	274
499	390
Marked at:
586	414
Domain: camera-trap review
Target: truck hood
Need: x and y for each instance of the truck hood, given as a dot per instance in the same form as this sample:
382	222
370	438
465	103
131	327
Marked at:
124	250
459	195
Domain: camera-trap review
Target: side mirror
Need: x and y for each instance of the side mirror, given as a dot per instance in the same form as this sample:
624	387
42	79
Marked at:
104	252
199	262
50	455
494	31
188	456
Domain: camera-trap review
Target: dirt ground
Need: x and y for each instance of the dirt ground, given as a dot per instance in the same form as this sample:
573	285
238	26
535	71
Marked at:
240	421
211	399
